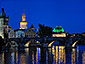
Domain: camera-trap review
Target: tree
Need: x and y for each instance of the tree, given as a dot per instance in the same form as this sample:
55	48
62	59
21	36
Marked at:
44	31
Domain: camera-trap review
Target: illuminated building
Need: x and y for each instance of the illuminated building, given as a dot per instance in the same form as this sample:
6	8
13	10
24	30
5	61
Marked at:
58	29
30	33
23	23
19	33
11	34
3	24
58	32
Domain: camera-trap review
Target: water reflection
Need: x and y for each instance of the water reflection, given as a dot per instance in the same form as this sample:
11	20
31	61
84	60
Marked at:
34	55
58	54
83	57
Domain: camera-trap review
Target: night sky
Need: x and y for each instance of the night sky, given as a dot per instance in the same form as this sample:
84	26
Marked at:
70	14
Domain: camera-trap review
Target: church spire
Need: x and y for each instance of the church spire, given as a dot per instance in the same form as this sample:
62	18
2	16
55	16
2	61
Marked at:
23	23
3	13
23	17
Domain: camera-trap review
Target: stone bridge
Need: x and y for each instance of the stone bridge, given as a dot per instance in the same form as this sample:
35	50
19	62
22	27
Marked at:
67	41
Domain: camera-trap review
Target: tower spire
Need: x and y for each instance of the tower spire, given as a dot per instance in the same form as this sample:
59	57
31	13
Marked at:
3	13
23	23
23	16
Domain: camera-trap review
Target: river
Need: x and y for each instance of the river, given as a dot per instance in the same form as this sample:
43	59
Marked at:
35	55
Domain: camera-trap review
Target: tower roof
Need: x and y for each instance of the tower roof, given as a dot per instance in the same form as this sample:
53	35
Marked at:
23	17
2	13
32	26
58	29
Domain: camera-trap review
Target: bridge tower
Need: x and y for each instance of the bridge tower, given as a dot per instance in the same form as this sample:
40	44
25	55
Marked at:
3	24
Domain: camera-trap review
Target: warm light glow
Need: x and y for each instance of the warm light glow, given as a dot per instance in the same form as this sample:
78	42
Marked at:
23	24
51	43
56	54
3	58
2	37
75	43
73	56
59	56
33	58
27	44
59	35
23	17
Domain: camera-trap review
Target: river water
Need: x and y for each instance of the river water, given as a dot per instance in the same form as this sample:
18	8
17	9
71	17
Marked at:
35	55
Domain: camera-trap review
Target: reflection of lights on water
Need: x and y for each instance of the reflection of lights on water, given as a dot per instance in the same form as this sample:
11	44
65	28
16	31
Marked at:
12	58
59	56
56	54
73	56
2	58
53	52
27	51
83	57
33	58
16	57
37	55
77	54
22	59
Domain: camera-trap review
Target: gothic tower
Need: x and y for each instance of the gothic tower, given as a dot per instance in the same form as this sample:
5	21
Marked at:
3	24
23	23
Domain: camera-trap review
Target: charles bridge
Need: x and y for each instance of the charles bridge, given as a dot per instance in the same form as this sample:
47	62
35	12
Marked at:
45	41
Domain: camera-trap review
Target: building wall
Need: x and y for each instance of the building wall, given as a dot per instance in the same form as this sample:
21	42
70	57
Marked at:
2	27
11	34
29	33
19	34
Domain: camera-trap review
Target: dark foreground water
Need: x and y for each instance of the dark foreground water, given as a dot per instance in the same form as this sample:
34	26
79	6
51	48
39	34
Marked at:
34	55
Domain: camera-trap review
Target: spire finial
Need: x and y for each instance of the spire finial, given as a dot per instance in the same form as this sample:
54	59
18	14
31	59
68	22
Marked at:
23	16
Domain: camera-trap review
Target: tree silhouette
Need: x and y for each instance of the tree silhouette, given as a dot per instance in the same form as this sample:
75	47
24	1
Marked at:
44	31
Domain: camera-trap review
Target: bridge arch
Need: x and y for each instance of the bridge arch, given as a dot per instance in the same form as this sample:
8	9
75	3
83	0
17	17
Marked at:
54	43
29	42
12	43
74	44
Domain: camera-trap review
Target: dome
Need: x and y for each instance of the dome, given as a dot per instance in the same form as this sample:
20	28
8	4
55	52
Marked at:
58	29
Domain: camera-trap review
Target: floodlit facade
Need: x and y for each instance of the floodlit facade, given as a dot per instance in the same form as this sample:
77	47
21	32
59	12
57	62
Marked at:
11	34
23	23
59	35
58	32
19	33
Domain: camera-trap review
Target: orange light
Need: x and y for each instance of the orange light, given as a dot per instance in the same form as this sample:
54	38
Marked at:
59	35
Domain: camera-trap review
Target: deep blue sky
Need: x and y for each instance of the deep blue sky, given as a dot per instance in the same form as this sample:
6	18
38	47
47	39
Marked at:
70	14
